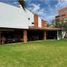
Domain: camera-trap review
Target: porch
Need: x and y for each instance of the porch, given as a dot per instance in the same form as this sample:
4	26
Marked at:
24	35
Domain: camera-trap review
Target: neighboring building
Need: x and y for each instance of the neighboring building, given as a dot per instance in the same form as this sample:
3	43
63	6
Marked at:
62	14
17	25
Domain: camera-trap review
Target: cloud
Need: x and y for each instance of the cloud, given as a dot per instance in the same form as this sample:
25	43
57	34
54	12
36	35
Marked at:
36	8
44	14
61	4
46	9
15	2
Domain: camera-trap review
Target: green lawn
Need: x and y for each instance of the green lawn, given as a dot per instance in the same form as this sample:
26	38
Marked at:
34	54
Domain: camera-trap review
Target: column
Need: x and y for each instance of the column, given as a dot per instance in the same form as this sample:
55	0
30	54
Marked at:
45	35
25	36
0	38
35	21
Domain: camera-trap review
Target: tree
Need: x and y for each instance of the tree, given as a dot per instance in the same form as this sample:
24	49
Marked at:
61	24
22	3
65	24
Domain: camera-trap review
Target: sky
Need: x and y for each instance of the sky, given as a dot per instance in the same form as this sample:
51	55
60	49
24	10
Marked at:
46	9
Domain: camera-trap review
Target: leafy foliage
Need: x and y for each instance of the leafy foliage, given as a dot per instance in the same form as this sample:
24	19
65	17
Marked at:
22	3
60	24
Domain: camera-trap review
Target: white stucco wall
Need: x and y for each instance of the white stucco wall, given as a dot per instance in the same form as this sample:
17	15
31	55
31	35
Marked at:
31	16
39	22
14	17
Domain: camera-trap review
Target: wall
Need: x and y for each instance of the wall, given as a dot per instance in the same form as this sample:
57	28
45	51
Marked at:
35	21
14	17
44	24
63	11
62	14
39	22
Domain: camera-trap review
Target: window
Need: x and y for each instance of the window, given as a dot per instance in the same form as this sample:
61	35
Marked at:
32	22
28	18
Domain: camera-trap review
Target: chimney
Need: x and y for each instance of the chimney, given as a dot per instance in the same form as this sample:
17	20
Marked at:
44	24
35	21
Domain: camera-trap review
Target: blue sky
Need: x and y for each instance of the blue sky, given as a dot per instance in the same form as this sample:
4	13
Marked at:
46	9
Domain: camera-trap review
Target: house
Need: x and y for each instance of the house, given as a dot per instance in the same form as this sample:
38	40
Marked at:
17	25
62	15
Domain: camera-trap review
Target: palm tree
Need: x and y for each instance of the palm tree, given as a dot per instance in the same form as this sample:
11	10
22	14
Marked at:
22	3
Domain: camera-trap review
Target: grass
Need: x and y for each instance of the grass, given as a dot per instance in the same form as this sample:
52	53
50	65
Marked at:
34	54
